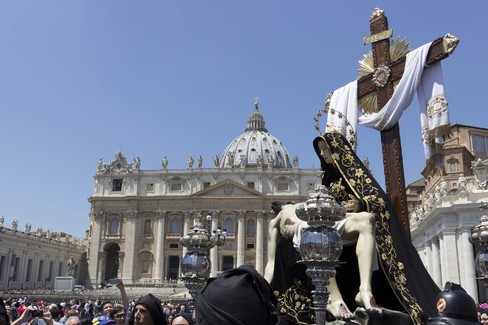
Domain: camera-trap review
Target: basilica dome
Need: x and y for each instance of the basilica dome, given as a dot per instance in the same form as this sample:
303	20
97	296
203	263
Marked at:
255	147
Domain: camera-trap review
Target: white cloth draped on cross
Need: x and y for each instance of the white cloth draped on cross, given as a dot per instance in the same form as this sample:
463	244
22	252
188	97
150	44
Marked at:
417	76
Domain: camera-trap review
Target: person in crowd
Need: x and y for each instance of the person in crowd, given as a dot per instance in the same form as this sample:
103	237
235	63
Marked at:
4	317
66	309
11	310
148	311
83	312
183	319
73	320
108	306
35	316
454	306
119	315
54	310
483	317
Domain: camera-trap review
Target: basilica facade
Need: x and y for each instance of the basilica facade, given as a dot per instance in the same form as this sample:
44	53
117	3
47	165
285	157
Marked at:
137	217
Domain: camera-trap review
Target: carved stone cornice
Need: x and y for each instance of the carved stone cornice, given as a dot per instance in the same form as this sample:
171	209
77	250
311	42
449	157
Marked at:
240	213
161	215
131	215
97	215
260	213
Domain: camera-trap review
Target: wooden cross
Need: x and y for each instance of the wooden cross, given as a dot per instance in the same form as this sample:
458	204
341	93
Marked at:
381	82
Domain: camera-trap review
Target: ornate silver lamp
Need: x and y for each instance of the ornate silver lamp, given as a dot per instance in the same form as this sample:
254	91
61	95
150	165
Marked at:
479	236
195	265
320	245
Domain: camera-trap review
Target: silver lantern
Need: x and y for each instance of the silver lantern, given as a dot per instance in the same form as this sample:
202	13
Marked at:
320	245
195	266
479	236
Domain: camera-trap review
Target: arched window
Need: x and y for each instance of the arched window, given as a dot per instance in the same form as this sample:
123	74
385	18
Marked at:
175	226
113	228
147	227
250	228
229	226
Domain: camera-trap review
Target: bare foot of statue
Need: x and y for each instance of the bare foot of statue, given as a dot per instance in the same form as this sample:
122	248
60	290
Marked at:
365	299
339	310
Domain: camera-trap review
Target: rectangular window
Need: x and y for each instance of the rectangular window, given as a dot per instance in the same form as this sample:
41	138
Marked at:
479	144
176	187
206	185
250	246
150	187
39	274
454	184
173	245
283	186
29	270
116	185
251	185
16	269
2	265
60	269
50	274
453	166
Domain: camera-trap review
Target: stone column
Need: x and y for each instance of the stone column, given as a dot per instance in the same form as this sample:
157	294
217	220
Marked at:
130	258
96	237
161	218
240	238
186	227
23	269
102	260
468	271
451	262
436	267
428	256
121	265
443	260
214	252
259	241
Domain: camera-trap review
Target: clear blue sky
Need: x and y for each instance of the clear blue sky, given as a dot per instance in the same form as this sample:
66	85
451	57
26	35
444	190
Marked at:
80	80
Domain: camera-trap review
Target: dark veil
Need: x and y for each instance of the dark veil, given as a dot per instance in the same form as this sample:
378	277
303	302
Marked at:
402	282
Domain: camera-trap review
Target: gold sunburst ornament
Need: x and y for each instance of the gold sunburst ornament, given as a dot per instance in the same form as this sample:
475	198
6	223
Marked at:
398	49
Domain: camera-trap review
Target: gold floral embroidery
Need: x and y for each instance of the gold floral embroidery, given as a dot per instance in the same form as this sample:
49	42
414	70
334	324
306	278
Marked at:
295	303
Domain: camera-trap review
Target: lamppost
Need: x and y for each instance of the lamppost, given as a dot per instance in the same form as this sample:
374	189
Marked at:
217	233
479	236
320	245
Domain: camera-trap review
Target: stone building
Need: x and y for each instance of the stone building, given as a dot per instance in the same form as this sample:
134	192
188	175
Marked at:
445	205
33	259
137	216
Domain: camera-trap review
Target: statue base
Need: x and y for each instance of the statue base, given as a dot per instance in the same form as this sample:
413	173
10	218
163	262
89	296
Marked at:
64	283
384	317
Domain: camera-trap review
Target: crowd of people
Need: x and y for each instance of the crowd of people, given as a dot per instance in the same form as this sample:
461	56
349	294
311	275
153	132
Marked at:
85	312
24	311
237	296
